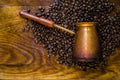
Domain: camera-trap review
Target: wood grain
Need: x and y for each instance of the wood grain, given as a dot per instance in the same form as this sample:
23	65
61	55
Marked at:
21	58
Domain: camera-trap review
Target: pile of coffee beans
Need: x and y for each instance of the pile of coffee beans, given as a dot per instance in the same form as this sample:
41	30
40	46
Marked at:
69	12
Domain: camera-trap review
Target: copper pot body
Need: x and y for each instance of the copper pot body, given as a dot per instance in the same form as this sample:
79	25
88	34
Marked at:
87	44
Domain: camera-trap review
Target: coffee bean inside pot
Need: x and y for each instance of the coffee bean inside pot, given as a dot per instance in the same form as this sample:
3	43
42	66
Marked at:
70	12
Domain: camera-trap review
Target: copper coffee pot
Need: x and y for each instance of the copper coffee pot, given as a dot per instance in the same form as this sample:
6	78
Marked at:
86	46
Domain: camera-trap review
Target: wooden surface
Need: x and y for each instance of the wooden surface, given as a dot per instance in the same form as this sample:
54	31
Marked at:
21	58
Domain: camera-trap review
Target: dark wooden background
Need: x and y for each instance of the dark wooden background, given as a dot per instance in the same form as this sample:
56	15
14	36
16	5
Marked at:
21	58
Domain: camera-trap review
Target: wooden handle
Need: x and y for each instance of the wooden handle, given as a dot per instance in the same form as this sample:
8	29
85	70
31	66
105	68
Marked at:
37	19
